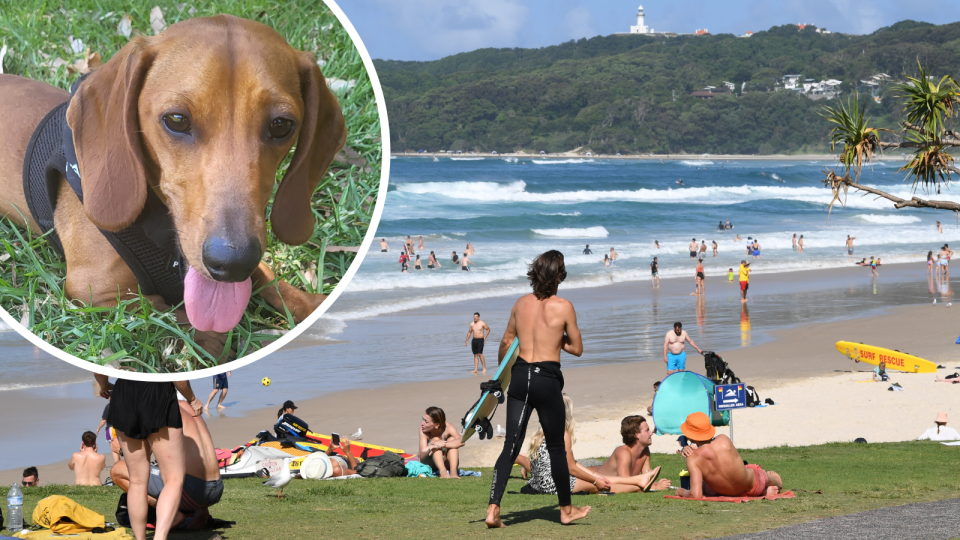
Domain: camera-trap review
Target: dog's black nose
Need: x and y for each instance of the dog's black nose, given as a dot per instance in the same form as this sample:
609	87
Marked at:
231	260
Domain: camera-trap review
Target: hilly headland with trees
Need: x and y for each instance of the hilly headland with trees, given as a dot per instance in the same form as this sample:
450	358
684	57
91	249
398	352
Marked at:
718	94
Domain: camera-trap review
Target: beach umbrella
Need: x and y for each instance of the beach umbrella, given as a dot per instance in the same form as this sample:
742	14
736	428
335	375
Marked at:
680	395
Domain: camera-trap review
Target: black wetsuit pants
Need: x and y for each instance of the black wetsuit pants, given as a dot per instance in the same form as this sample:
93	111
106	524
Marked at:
537	386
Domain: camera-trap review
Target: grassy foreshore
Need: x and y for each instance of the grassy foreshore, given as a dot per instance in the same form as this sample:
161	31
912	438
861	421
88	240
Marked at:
577	154
828	480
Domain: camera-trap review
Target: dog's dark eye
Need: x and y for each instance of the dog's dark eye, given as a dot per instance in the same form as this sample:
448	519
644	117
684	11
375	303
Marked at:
280	128
177	122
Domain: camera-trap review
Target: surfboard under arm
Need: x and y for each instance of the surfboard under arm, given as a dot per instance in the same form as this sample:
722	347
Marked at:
488	402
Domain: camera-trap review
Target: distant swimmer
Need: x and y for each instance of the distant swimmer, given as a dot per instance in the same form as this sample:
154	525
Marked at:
714	242
850	240
794	240
674	354
464	262
421	243
693	249
737	239
939	228
404	260
613	257
479	330
606	260
720	227
454	258
432	262
800	244
703	248
730	226
587	250
410	245
756	248
656	243
680	182
468	250
654	273
383	245
417	265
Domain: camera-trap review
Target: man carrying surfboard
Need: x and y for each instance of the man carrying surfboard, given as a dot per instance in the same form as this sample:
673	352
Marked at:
479	330
545	324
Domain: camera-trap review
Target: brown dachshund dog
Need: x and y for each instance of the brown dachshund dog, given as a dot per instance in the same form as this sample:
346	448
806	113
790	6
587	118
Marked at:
200	118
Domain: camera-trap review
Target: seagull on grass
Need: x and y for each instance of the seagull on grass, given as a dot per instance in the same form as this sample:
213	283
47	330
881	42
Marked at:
281	479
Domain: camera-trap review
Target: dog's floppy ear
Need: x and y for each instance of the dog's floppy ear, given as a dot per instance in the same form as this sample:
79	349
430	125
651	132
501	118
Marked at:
106	134
321	136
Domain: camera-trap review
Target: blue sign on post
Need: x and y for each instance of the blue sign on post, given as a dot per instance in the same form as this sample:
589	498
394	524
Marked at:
730	396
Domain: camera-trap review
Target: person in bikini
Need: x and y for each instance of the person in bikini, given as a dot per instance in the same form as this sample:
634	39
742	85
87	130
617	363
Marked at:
439	443
716	468
699	278
420	246
432	262
633	458
546	325
714	247
674	354
202	485
479	330
417	265
87	464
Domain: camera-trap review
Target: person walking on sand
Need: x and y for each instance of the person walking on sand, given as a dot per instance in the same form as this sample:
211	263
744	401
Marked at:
699	279
800	244
613	257
221	383
546	325
693	249
654	273
714	247
850	240
873	267
383	245
479	330
87	464
744	280
674	355
930	263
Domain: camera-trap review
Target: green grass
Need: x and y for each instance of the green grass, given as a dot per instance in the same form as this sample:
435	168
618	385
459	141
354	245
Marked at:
141	339
852	478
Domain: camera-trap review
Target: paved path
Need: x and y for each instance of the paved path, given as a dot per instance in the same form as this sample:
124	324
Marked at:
920	521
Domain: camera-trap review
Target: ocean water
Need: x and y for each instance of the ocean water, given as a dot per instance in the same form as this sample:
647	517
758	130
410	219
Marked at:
512	209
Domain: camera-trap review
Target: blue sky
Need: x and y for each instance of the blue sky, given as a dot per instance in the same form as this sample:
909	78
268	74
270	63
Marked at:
431	29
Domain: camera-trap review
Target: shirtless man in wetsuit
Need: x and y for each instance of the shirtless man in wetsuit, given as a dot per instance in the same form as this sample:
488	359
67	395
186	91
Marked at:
693	249
479	330
87	464
202	486
633	458
546	324
716	467
673	354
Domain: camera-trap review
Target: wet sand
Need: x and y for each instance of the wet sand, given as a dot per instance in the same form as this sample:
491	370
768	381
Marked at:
816	390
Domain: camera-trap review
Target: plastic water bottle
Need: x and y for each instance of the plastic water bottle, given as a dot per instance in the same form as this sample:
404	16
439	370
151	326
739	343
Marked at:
14	509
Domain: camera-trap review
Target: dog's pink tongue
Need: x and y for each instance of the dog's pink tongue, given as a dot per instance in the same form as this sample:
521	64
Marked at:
214	305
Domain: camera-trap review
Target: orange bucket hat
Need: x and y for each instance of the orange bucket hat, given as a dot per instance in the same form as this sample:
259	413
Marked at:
698	427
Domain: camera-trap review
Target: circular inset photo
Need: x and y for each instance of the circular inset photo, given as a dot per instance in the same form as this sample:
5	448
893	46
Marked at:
182	185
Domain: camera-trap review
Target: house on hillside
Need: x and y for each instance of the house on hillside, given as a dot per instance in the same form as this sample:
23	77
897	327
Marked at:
702	32
873	83
827	89
711	92
747	34
789	82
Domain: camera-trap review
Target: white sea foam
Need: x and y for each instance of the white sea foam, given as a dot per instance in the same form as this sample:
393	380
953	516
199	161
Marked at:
697	162
467	158
562	214
515	191
888	220
510	159
560	161
588	232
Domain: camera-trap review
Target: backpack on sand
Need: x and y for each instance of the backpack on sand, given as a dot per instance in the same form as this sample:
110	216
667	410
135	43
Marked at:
753	398
386	465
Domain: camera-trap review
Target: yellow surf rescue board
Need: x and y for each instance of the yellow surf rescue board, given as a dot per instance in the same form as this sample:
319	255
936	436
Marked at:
868	354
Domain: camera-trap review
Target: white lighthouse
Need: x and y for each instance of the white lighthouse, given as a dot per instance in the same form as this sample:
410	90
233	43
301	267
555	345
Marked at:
640	28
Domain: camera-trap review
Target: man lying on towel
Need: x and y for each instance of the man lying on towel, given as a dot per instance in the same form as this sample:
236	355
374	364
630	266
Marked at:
716	467
202	486
633	458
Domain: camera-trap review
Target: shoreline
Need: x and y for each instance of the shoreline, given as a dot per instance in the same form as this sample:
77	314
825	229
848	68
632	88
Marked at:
793	362
646	157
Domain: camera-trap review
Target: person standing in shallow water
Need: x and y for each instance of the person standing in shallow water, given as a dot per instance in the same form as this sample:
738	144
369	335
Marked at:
546	324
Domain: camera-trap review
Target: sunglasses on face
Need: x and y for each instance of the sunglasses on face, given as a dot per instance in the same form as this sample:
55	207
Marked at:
29	484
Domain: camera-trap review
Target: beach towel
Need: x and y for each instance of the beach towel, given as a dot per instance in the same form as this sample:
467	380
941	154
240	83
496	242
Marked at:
784	495
417	469
119	534
63	515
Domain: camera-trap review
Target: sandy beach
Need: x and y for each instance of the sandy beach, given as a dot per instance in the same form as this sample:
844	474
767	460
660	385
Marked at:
817	391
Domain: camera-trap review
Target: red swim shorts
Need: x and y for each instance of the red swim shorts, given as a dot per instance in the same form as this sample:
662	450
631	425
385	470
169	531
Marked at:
744	285
759	483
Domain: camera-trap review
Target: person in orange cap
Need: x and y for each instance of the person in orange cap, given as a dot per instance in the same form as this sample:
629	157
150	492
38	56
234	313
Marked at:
716	467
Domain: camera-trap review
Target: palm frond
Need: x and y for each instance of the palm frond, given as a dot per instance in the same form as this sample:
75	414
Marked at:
851	130
929	104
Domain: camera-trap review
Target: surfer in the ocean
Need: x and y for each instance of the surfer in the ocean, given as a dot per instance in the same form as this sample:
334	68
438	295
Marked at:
545	325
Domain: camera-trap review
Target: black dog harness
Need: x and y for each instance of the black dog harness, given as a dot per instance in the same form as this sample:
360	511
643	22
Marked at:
148	246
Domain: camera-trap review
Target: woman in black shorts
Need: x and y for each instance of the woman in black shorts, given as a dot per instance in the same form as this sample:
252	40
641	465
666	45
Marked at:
146	416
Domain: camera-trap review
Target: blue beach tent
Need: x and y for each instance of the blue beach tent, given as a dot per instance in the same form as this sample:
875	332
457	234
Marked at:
680	395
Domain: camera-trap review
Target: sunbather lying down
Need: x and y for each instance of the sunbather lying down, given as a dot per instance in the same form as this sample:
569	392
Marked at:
716	467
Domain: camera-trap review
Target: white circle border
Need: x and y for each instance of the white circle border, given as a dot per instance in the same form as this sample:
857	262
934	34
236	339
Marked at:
309	321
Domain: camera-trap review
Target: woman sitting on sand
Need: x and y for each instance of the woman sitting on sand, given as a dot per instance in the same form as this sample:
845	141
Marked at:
439	443
581	479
